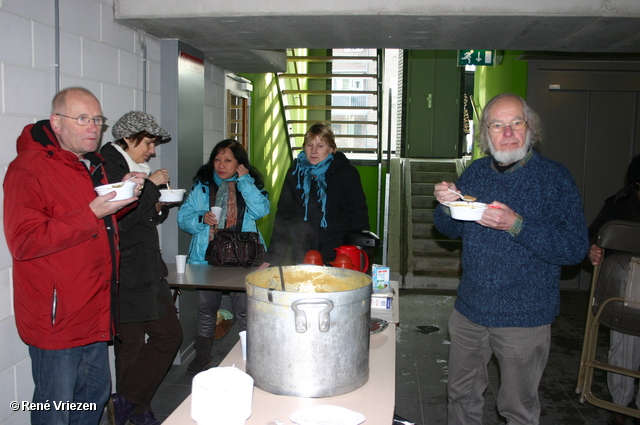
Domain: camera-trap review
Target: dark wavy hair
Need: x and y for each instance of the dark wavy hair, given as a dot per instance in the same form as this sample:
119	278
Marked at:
205	173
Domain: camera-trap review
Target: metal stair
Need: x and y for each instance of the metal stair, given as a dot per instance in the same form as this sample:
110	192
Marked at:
435	259
339	89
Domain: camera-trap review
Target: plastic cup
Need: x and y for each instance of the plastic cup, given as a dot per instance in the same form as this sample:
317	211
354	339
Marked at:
243	344
181	263
217	211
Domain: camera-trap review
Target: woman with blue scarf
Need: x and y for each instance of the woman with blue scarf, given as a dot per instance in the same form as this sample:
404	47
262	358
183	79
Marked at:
237	188
321	200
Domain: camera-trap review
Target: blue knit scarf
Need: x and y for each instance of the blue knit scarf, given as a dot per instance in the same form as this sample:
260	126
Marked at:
306	173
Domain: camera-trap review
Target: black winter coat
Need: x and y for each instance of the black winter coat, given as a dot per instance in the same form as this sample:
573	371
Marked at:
346	210
144	291
624	205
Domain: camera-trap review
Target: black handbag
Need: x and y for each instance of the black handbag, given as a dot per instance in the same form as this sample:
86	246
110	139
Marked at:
231	248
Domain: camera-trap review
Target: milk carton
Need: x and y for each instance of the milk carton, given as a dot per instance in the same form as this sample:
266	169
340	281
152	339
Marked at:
380	276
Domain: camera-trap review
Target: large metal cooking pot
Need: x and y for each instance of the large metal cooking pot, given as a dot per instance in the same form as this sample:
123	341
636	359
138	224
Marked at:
312	338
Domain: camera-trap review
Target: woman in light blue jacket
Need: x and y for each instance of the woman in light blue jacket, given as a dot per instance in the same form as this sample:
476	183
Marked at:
238	189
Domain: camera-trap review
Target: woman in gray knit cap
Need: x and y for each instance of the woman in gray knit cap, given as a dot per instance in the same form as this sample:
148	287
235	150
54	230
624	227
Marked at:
145	304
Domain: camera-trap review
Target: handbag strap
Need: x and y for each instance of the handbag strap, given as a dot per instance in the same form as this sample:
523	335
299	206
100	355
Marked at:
257	245
235	249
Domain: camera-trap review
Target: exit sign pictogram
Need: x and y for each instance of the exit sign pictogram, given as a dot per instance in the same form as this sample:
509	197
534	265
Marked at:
476	57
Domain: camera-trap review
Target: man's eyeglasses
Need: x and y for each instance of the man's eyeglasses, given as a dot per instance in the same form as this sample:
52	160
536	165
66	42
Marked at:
498	127
86	119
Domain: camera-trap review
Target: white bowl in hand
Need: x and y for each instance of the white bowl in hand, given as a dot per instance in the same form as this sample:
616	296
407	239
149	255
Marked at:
171	195
467	211
124	190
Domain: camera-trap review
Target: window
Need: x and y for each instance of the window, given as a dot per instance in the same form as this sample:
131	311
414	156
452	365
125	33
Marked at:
237	114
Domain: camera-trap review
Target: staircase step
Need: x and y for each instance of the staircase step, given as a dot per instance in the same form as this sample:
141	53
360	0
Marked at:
448	166
433	255
439	274
422	215
425	281
296	98
437	266
427	231
442	248
422	188
422	202
433	176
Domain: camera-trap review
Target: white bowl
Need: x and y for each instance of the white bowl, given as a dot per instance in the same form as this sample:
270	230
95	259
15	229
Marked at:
171	195
124	190
467	211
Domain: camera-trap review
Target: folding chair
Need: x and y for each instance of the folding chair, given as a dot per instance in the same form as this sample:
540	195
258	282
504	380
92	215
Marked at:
615	303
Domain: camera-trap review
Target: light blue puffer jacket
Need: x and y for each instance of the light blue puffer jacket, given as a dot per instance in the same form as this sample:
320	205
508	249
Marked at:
197	204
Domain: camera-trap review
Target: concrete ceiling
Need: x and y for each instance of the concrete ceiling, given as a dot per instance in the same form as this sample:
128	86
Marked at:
242	43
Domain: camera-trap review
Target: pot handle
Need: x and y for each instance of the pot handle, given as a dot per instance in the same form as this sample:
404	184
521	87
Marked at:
301	316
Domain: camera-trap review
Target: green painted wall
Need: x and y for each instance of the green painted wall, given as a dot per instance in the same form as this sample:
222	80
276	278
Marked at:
369	179
510	76
269	147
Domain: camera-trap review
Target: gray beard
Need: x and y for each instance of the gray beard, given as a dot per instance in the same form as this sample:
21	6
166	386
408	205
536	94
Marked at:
509	157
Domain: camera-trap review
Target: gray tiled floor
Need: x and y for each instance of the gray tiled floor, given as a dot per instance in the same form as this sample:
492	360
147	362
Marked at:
421	365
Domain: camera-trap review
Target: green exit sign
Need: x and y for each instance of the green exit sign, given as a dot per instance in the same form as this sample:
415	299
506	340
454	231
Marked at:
476	57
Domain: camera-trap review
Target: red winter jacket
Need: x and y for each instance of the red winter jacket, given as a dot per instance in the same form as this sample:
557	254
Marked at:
64	258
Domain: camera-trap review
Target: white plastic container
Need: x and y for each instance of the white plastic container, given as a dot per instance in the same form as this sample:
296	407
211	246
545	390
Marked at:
467	211
221	396
124	190
171	195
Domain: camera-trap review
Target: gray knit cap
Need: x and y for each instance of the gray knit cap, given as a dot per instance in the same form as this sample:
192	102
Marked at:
136	121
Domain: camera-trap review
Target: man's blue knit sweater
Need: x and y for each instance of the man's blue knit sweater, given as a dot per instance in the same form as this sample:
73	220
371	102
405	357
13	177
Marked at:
511	278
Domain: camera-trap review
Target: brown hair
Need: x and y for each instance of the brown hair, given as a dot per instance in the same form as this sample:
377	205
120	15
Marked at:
322	131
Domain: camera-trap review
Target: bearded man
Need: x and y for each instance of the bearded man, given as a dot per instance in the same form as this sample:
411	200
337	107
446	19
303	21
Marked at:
509	293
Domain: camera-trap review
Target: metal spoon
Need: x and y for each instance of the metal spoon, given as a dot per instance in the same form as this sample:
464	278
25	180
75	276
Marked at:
466	198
